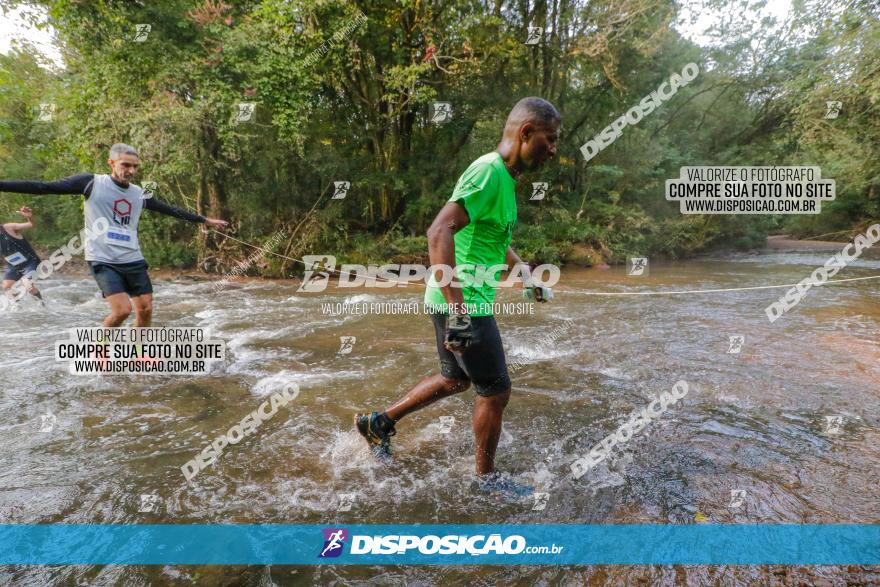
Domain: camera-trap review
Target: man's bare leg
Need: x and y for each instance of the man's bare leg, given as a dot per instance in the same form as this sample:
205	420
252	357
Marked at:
143	309
7	286
32	289
28	283
488	412
426	392
378	427
120	308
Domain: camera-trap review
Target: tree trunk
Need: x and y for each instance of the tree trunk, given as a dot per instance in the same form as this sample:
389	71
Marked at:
212	199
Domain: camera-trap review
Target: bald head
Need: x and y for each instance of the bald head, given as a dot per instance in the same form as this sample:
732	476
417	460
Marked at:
536	110
530	135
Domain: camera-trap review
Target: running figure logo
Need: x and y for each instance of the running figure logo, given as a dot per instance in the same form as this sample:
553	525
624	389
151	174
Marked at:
340	189
637	266
541	500
346	344
149	188
141	32
245	112
441	112
334	540
833	424
446	424
736	343
317	274
535	33
539	190
47	112
737	498
47	421
832	109
149	503
345	502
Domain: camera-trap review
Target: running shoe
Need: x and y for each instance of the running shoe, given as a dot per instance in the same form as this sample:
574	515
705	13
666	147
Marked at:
369	427
496	482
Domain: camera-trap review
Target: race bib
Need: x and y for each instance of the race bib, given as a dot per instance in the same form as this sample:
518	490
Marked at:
16	259
121	237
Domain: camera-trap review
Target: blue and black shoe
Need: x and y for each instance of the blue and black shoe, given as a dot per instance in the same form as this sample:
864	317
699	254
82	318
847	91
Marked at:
499	483
377	429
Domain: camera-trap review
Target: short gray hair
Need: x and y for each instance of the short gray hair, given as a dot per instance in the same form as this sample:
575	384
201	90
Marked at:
533	109
120	149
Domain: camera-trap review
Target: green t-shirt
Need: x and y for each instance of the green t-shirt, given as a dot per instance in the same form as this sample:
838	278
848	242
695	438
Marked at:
488	194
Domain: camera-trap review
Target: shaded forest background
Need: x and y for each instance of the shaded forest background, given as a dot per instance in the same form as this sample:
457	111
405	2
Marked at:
343	98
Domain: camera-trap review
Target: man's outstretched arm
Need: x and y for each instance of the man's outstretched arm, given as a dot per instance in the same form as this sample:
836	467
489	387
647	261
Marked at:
75	185
163	208
16	228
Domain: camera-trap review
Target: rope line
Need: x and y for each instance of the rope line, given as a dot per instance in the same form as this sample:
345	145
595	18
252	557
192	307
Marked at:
587	293
702	291
338	272
826	234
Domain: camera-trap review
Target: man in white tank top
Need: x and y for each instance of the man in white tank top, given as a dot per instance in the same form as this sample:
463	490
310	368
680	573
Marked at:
115	256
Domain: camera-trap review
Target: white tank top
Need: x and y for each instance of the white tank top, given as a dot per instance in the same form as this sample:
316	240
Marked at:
121	208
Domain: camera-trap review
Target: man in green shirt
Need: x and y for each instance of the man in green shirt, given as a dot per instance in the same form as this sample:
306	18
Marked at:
472	233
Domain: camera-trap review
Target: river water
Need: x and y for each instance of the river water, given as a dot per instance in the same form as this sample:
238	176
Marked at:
784	431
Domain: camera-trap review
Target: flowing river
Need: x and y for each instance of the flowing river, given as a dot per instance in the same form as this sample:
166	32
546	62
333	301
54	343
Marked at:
783	431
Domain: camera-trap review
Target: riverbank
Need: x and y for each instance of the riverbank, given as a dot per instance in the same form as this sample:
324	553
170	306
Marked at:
784	243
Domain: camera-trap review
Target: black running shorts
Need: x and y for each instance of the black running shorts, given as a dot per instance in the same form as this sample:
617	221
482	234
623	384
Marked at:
16	272
482	363
130	278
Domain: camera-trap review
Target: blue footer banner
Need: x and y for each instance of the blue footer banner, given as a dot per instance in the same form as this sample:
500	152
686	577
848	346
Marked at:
532	544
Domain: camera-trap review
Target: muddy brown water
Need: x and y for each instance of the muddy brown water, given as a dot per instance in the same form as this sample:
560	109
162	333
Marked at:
792	420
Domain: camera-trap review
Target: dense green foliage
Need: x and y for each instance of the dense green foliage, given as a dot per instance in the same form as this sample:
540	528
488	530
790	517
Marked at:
343	92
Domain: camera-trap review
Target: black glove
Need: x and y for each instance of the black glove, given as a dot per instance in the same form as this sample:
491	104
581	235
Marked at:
459	333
